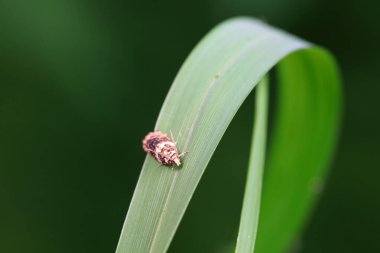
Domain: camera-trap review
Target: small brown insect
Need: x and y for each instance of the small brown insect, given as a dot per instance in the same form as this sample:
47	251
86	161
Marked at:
162	148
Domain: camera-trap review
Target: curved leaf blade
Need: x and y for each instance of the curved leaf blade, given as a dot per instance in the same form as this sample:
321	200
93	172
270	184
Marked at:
303	140
208	90
252	194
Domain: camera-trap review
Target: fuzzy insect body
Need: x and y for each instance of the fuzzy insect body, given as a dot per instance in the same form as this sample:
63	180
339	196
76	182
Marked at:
162	148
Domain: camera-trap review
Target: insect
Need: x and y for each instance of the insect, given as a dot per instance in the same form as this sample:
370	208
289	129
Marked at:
162	148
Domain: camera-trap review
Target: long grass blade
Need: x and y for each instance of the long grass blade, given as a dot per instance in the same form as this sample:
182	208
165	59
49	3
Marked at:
251	203
207	92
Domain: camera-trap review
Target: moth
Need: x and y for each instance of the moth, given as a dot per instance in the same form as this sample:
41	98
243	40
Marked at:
162	148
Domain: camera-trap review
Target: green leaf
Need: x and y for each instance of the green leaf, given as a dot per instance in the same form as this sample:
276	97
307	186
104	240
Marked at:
302	142
251	205
207	92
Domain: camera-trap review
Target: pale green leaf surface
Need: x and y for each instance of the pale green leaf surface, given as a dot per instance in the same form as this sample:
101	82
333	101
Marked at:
251	203
207	92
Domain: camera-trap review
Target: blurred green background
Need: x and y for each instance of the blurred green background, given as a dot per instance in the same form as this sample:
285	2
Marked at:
81	82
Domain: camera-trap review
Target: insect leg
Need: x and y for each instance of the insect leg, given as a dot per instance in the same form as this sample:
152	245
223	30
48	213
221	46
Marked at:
183	154
172	137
